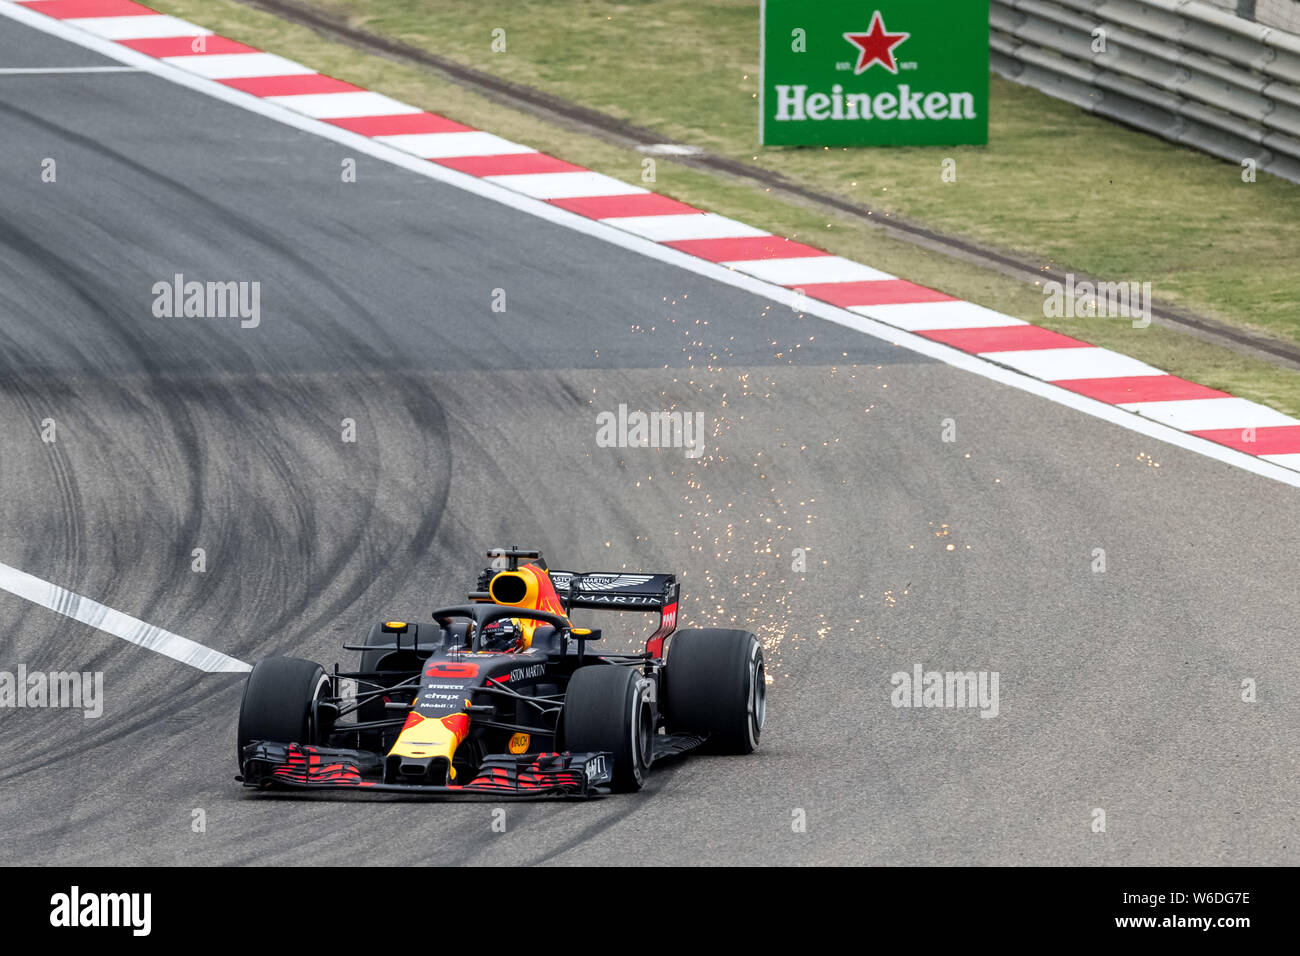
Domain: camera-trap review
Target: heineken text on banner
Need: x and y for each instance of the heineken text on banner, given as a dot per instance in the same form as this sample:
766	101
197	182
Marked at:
874	73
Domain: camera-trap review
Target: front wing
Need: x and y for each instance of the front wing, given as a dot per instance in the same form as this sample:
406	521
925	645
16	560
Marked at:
269	765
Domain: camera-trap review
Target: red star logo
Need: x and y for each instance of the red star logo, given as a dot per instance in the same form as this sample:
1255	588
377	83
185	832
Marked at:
876	46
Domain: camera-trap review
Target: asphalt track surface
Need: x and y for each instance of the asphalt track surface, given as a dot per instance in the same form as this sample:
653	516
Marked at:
1120	690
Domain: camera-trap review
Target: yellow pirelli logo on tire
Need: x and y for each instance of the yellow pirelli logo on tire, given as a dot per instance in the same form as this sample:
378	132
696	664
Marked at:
519	743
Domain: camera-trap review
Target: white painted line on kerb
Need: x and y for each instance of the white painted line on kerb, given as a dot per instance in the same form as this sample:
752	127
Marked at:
565	185
226	66
148	26
925	316
445	145
642	235
128	628
686	225
808	270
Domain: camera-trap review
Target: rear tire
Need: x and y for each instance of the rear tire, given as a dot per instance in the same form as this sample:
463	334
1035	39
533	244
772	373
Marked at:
714	685
279	701
606	709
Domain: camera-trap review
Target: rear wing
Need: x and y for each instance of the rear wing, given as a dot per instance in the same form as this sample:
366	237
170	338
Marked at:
615	591
622	591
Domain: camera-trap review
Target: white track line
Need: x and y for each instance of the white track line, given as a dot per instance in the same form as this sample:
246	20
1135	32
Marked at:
620	232
1291	460
128	628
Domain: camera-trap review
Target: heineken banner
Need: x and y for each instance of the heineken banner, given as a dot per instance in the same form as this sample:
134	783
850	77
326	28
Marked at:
874	72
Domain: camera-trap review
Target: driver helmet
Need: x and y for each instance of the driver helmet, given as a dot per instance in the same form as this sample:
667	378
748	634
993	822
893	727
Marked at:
503	635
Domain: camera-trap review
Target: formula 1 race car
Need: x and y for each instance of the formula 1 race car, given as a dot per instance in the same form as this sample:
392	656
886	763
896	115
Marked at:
504	695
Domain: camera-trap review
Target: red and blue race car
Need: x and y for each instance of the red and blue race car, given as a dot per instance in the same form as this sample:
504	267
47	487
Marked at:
505	695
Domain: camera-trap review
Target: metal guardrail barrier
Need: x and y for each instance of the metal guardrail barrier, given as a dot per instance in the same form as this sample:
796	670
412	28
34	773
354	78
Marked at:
1193	72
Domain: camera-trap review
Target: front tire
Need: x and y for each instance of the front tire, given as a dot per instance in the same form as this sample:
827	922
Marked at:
606	708
280	703
714	685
